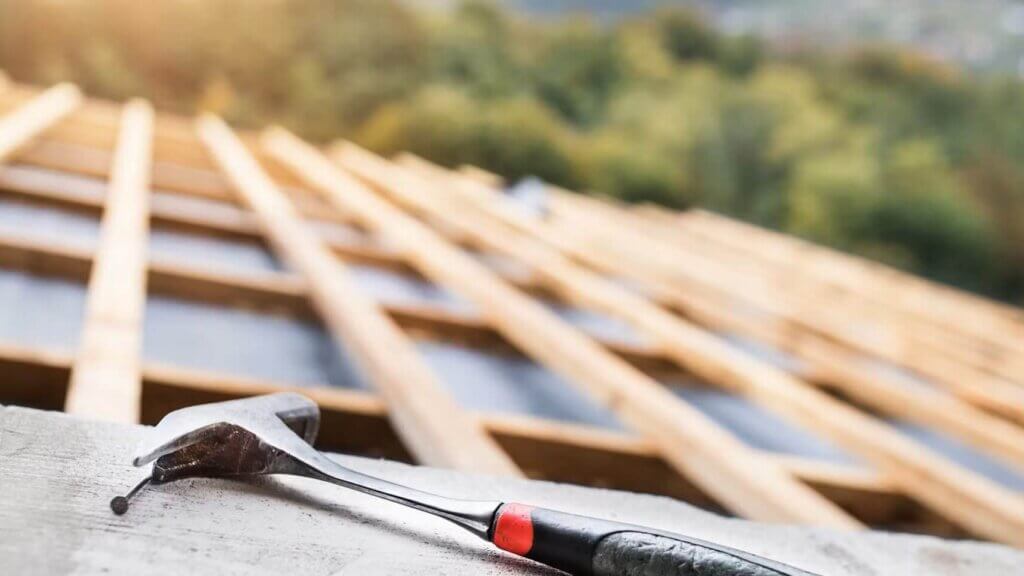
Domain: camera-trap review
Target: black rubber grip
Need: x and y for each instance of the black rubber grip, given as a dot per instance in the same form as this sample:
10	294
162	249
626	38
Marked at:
585	546
647	554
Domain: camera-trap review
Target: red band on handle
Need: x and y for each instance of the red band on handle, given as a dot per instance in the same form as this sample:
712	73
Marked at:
513	531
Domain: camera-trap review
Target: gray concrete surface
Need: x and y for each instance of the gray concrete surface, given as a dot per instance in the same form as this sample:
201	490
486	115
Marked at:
57	474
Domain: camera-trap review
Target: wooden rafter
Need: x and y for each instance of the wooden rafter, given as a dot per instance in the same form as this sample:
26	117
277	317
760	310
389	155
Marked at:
105	381
800	313
929	322
590	236
989	314
273	291
708	455
432	425
20	127
978	345
973	501
926	318
548	450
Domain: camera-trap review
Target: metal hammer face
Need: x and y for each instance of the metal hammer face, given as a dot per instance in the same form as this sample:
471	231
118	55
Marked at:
246	437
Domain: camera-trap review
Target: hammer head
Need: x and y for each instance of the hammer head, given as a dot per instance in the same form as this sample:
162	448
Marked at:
237	438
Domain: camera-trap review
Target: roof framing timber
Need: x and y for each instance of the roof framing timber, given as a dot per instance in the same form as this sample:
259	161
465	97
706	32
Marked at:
20	127
919	318
707	454
591	237
57	130
546	450
799	315
105	381
429	421
975	502
276	292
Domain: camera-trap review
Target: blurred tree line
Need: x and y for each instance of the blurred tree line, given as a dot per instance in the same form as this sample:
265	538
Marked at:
880	152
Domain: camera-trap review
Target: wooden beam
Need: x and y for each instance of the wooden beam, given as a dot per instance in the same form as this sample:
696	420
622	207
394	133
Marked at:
434	427
105	381
482	176
957	301
44	258
49	153
411	318
277	292
21	126
927	318
800	319
598	239
241	225
33	377
974	502
711	457
356	422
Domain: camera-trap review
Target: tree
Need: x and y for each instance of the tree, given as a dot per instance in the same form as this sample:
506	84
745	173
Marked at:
925	211
516	138
578	72
686	35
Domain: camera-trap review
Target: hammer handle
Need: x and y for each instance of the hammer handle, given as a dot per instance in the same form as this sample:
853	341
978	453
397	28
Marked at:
585	546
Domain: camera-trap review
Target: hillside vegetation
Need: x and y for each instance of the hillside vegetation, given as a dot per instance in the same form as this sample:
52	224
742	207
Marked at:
878	152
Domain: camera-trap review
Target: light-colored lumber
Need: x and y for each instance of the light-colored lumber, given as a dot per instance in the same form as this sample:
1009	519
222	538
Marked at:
926	315
52	154
105	380
26	122
981	336
546	449
482	176
276	292
706	454
974	502
552	450
239	224
801	316
84	143
874	277
592	237
434	427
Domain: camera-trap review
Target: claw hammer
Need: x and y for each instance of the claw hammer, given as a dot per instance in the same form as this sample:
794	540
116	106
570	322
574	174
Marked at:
273	434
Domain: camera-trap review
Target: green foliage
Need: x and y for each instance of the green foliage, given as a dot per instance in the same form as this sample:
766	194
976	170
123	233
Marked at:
476	49
687	36
578	72
516	137
832	195
635	172
926	213
880	152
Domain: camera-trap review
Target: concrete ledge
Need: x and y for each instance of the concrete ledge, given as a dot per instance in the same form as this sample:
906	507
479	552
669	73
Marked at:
57	474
